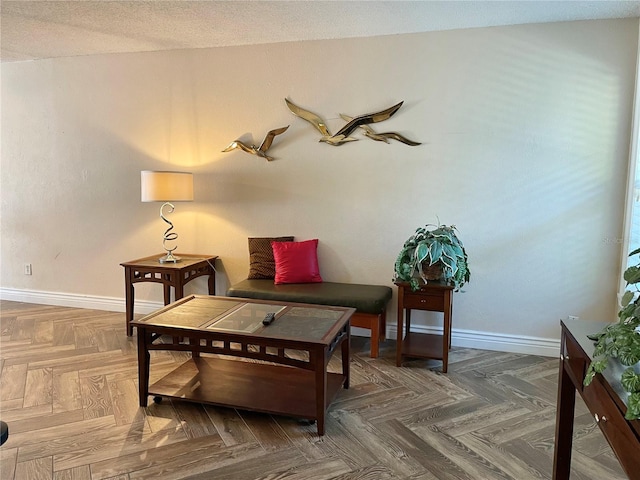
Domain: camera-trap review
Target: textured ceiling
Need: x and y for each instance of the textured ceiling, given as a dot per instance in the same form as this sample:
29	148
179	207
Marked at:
45	29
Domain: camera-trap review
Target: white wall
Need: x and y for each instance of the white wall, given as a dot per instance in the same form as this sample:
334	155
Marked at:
525	133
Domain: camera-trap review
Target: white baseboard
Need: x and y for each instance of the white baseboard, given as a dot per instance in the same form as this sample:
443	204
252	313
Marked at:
459	338
546	347
110	304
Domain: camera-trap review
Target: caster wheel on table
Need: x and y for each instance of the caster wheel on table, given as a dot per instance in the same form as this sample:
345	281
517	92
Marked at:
157	399
4	432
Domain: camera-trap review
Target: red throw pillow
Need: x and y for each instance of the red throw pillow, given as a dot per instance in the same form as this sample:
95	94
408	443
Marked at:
296	262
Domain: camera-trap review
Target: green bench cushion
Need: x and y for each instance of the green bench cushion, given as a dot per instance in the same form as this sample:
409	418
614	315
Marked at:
364	298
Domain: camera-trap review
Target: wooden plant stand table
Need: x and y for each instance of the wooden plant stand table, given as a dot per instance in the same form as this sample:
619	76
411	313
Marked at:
434	296
297	345
175	275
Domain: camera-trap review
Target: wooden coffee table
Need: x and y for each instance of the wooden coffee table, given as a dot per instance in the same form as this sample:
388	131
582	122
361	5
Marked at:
295	349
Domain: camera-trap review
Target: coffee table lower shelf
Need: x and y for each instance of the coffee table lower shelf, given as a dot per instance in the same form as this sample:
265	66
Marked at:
266	388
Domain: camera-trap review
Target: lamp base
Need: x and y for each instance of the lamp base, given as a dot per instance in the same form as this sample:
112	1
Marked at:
168	236
169	258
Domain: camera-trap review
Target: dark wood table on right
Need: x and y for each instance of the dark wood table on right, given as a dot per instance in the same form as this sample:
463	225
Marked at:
604	397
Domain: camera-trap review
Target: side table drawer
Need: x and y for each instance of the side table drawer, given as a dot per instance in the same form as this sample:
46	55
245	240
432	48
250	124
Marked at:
612	424
424	301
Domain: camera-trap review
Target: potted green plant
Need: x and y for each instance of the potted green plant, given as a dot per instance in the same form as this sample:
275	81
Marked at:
433	252
621	341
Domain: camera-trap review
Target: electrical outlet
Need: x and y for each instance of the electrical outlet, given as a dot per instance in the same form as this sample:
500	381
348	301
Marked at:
27	269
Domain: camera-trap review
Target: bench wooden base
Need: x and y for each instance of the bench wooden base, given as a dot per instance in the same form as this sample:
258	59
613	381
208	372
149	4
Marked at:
378	326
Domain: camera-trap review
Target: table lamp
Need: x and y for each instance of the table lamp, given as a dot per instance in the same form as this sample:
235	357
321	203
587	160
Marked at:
167	187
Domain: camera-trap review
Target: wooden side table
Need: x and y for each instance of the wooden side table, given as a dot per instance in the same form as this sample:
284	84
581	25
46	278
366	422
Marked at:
435	297
175	275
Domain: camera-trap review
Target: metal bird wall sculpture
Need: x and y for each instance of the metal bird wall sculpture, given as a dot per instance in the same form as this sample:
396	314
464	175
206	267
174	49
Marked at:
259	151
382	137
343	134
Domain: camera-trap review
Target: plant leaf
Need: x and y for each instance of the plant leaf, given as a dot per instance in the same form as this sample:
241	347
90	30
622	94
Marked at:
633	407
422	252
596	366
626	298
456	249
449	267
435	251
632	274
630	380
629	355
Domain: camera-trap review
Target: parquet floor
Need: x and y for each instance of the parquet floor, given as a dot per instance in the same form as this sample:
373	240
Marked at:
68	390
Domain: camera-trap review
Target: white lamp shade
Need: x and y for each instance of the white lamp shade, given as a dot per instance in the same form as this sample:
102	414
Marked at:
166	186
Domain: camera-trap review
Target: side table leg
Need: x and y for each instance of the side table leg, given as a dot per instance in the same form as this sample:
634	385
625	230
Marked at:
399	328
448	302
212	282
128	296
446	333
564	425
167	294
179	290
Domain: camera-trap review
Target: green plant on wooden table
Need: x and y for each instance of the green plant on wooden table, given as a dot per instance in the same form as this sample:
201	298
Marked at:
621	341
433	246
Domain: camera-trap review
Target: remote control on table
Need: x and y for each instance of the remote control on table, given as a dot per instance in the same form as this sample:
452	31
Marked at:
268	318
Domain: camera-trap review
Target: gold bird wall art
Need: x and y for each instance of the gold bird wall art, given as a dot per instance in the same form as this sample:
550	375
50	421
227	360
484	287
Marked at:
343	134
260	151
381	137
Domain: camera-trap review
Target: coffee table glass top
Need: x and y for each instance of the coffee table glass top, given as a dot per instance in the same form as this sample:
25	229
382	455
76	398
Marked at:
303	322
221	314
245	318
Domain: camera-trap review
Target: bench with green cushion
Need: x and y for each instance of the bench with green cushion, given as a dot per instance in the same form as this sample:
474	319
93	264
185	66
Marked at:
370	301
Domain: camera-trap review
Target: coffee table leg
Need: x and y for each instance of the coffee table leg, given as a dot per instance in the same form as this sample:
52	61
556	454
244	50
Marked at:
321	388
195	343
346	360
143	366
